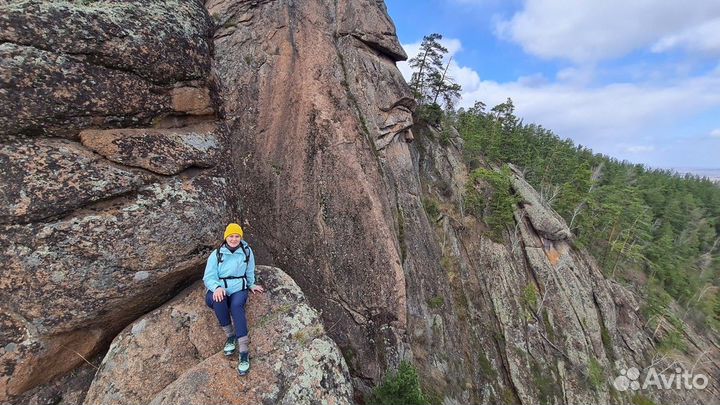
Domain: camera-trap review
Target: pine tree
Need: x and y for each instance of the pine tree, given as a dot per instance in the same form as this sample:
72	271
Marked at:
430	81
427	66
444	85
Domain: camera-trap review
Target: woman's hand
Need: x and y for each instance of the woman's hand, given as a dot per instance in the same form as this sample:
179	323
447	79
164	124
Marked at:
257	289
219	294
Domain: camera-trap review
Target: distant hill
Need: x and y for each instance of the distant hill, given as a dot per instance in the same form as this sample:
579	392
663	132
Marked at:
712	174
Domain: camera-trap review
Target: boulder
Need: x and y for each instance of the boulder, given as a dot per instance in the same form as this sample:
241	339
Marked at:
174	354
65	66
46	178
92	236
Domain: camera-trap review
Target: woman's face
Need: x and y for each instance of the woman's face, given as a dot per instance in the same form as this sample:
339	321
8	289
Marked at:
233	240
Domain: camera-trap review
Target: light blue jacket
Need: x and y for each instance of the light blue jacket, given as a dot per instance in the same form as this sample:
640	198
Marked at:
233	265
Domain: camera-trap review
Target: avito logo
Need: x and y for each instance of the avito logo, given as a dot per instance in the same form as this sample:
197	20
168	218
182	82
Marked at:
681	379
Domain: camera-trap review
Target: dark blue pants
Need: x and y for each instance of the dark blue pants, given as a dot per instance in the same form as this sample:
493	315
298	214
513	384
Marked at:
233	305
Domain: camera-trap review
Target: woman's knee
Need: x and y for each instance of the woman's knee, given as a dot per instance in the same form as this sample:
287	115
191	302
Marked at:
238	300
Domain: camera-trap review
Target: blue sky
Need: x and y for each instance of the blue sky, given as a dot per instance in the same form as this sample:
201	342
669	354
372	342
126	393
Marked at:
637	80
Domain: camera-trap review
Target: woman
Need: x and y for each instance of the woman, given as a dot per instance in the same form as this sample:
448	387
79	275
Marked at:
229	274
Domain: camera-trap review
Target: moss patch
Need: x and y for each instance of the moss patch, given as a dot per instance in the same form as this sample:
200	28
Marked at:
607	342
431	208
486	367
640	399
545	382
435	302
596	374
530	296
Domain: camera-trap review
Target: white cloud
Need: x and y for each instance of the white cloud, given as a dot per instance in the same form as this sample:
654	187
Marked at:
703	38
715	133
453	45
411	50
463	75
607	113
577	76
591	31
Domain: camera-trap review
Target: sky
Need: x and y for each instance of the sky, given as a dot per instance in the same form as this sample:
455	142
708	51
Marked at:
637	80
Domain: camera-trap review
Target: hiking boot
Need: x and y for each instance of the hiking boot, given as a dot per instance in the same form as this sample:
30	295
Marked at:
229	348
244	365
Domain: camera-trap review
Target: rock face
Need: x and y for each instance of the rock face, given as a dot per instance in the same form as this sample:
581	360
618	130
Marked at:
79	178
534	319
96	229
315	102
174	354
162	151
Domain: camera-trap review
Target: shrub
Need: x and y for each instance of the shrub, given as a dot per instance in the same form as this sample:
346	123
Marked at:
400	387
473	203
436	302
674	340
657	309
500	205
431	208
430	113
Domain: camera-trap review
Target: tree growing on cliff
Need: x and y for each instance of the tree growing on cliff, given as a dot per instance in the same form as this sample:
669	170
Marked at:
444	86
430	80
400	387
426	65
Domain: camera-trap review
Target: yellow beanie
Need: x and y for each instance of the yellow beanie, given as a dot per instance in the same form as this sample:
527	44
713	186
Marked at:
233	229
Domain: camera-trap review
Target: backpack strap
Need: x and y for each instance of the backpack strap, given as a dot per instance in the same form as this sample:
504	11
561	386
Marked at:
243	277
245	248
218	254
246	251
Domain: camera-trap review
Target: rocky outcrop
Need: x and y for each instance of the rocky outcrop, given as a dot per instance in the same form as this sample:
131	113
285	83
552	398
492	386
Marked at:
99	228
314	99
174	354
162	151
544	220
